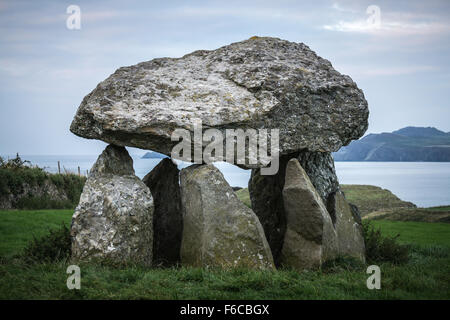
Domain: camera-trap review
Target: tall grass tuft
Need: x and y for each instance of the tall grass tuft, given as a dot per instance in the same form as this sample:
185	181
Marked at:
55	246
381	248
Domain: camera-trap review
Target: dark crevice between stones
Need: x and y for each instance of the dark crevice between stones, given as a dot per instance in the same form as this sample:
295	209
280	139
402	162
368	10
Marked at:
266	195
331	207
163	182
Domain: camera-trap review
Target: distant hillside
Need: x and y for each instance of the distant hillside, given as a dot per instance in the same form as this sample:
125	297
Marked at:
375	203
434	214
153	155
372	198
407	144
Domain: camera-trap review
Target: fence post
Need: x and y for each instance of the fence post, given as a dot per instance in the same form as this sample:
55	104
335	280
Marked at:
59	168
79	174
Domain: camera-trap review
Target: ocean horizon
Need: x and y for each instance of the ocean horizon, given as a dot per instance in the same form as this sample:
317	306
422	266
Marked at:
425	184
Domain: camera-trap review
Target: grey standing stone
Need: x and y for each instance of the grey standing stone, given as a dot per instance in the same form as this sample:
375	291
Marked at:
267	198
310	237
114	218
348	227
219	230
163	182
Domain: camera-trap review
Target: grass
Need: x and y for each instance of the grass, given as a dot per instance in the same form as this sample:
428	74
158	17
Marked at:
440	208
48	281
244	196
425	276
17	228
418	233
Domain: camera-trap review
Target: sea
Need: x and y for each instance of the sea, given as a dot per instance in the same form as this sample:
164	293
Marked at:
426	184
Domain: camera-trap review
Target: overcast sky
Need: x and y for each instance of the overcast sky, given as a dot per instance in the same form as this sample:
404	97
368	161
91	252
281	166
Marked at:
46	69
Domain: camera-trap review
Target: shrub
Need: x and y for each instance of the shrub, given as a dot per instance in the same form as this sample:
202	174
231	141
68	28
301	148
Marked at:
16	163
40	203
15	174
53	247
381	248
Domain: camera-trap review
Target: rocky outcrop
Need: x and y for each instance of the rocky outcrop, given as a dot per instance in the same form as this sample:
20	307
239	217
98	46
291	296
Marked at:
163	182
310	237
219	230
266	192
260	83
114	219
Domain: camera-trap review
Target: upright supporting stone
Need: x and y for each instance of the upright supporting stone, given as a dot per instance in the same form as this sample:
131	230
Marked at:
114	218
310	237
163	182
348	227
219	230
267	199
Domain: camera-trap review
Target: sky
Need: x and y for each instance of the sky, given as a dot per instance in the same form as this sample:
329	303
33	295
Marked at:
399	57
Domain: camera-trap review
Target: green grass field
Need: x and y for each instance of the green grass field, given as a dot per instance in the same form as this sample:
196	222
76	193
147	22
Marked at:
425	276
417	233
19	227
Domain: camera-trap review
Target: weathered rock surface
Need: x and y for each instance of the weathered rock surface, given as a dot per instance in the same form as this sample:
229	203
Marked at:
219	230
348	227
319	167
164	185
114	219
267	198
310	237
257	83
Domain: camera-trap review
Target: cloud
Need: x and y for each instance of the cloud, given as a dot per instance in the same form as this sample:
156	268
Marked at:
12	68
3	5
390	28
397	71
376	71
37	18
377	20
336	6
251	13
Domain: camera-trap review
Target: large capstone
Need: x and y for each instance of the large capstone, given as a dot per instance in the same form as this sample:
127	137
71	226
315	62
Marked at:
310	237
219	230
266	192
114	218
163	182
260	83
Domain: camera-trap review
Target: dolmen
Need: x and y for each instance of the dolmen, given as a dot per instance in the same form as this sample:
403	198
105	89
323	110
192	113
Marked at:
267	105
